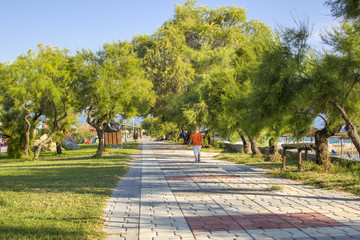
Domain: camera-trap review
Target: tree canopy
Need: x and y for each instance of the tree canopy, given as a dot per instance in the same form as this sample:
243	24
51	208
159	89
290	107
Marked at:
215	68
113	84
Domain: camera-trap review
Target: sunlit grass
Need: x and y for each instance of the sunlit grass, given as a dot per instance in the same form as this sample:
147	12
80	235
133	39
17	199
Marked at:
59	198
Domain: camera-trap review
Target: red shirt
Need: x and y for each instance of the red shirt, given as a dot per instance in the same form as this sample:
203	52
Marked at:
196	138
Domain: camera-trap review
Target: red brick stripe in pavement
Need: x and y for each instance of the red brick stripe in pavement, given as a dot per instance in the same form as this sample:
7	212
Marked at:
200	177
259	221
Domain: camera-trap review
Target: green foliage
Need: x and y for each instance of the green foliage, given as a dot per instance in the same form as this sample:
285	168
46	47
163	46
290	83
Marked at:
20	108
12	127
273	157
347	9
279	85
112	83
210	67
65	127
79	135
158	129
190	61
336	78
336	73
55	87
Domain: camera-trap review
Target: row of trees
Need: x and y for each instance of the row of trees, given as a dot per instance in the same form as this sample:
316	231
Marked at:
211	67
233	75
54	85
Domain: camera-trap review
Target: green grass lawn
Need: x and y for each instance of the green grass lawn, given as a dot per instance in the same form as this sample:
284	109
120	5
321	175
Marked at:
344	176
59	197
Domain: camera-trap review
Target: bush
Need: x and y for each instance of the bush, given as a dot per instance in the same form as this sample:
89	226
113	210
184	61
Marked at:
14	149
206	141
79	134
273	157
16	145
217	144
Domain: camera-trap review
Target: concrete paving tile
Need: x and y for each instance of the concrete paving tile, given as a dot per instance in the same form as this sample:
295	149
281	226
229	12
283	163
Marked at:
147	198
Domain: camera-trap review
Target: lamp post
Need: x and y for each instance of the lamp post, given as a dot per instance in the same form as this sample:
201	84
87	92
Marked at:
125	133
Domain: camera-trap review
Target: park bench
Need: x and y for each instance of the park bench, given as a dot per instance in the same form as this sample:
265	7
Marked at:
299	147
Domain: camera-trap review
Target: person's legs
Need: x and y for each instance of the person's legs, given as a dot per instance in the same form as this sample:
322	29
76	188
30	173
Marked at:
199	153
195	153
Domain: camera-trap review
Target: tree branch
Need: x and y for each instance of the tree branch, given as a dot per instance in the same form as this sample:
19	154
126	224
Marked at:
323	120
110	115
341	109
55	113
351	88
308	77
337	94
89	120
65	113
101	120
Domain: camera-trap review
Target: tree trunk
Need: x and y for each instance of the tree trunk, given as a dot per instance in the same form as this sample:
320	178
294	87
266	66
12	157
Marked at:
187	138
322	149
99	127
207	136
349	126
254	147
100	133
210	142
246	144
99	151
27	132
353	134
51	135
273	146
58	148
322	145
37	152
41	144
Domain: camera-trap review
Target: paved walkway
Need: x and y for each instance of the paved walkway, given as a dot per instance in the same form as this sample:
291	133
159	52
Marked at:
166	195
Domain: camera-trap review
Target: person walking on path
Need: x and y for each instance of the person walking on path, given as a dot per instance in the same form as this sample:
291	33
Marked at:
197	140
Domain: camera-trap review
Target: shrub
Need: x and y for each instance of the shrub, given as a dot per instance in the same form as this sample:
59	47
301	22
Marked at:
79	134
273	158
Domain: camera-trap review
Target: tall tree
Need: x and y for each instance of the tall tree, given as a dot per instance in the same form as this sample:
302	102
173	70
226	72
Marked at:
55	87
337	77
113	83
286	96
192	47
19	91
274	99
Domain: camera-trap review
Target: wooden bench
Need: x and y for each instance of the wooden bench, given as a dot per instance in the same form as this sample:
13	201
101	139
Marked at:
300	147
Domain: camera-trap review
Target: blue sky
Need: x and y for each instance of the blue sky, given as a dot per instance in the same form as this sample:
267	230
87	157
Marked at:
76	24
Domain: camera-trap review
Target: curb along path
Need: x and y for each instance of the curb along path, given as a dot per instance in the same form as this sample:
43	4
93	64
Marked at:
166	195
